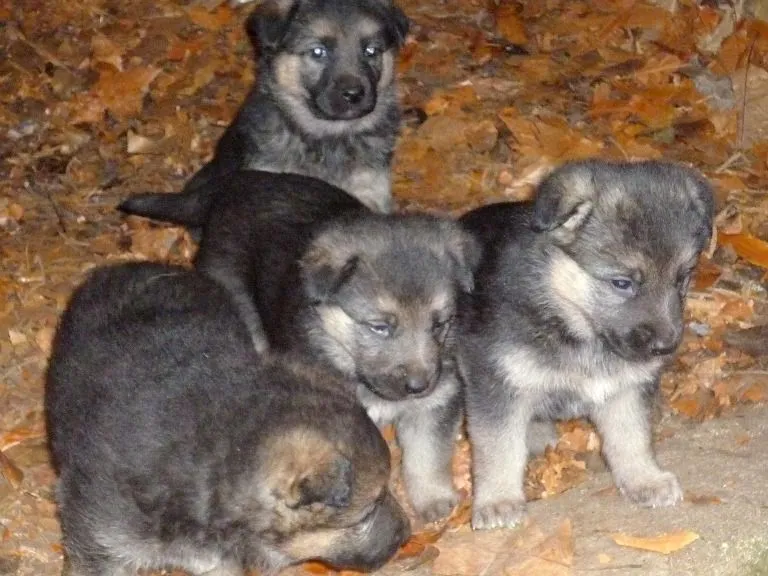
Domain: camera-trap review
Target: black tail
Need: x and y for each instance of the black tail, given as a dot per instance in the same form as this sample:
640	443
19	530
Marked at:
188	208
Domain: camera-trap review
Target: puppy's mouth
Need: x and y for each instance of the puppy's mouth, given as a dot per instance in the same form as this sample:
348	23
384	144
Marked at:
626	351
395	389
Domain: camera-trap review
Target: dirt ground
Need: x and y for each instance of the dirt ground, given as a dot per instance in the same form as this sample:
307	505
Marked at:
102	98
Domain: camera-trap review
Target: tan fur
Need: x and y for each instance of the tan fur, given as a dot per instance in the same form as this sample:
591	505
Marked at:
288	74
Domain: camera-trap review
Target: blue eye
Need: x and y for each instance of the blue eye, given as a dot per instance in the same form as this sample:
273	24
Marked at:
319	52
623	285
371	51
380	328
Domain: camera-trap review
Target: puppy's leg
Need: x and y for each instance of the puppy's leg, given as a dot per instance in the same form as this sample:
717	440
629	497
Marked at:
625	426
427	438
497	424
541	434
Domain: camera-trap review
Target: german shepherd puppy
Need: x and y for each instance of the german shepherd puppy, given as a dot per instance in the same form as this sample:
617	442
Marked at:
578	303
177	446
373	295
325	105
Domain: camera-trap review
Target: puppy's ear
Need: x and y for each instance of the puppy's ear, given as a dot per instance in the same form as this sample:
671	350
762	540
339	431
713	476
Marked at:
400	25
703	201
268	22
464	251
305	468
323	273
564	201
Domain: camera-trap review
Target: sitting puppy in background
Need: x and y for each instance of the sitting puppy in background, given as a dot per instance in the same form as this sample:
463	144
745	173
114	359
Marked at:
578	303
372	295
325	105
177	446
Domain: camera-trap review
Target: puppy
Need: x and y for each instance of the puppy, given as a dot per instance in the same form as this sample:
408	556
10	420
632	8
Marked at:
372	295
177	446
325	105
578	303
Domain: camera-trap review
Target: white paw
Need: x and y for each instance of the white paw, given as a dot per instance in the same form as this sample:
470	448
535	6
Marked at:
663	489
438	508
501	514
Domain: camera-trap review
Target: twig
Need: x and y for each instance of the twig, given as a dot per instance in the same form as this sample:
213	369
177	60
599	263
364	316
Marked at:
744	96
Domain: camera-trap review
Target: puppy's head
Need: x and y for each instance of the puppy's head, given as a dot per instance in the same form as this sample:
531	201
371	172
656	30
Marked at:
384	291
324	488
330	64
624	240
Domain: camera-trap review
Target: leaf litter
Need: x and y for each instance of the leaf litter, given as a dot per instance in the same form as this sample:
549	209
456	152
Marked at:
101	99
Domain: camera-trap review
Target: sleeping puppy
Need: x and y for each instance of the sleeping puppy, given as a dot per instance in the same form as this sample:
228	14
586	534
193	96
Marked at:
578	304
177	446
371	295
325	105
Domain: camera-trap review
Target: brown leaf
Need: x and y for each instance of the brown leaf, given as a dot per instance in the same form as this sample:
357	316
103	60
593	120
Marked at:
106	51
558	548
121	93
10	471
753	250
210	20
663	543
509	24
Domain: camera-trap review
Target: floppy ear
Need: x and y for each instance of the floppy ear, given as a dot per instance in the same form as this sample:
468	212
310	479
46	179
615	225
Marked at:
328	483
323	274
305	469
464	251
564	201
268	22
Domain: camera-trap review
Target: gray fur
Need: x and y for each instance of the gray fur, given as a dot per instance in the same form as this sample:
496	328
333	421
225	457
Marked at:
372	295
334	117
578	304
177	446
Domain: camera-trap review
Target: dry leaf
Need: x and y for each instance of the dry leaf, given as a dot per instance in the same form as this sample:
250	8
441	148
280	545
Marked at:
509	25
753	250
663	543
10	471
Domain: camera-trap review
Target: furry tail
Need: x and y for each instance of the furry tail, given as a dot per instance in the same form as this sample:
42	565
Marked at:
189	208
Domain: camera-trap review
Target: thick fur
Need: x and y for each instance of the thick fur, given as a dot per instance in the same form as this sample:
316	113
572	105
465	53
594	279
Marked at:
372	295
177	446
325	105
578	303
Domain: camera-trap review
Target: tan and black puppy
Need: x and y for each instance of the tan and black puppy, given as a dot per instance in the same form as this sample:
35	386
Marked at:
325	105
578	303
177	446
372	295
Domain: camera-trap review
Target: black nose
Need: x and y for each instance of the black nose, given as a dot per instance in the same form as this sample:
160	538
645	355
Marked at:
416	383
662	347
353	94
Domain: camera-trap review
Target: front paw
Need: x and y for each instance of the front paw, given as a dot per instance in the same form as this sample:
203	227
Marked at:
438	508
501	514
662	489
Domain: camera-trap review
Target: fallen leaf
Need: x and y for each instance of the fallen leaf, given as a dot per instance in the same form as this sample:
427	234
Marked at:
753	250
10	471
509	25
663	543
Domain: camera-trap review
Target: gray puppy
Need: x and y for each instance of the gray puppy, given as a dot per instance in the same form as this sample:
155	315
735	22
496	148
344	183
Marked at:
177	446
578	303
372	295
325	105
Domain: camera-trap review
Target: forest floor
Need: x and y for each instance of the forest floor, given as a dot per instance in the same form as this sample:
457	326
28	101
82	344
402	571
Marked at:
102	98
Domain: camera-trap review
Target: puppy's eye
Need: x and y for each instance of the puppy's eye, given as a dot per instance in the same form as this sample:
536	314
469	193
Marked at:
624	286
383	329
371	51
318	52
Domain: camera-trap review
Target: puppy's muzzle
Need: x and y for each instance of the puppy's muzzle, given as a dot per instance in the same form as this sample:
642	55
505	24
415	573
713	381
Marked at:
647	341
347	97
